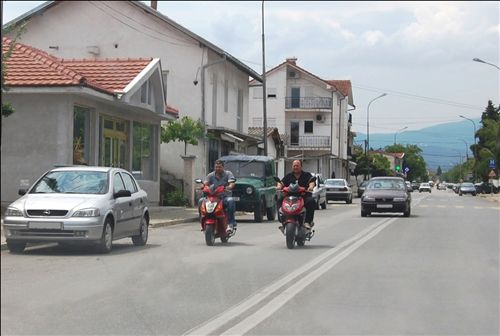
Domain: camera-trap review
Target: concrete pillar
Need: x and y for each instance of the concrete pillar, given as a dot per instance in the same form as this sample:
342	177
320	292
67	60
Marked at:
189	177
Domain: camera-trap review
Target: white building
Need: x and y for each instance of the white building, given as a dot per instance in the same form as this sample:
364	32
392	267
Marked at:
313	115
200	80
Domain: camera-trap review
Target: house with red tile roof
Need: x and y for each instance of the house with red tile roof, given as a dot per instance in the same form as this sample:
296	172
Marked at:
80	111
312	113
201	80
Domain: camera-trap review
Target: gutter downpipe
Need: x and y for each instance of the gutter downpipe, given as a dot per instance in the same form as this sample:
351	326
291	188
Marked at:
203	118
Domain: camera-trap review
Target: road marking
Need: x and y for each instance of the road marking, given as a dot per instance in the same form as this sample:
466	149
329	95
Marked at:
219	321
459	206
441	206
272	306
423	206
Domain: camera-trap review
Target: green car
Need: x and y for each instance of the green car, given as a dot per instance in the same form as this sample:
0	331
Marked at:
255	189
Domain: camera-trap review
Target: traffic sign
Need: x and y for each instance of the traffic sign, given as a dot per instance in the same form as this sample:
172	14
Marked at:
492	164
407	169
492	174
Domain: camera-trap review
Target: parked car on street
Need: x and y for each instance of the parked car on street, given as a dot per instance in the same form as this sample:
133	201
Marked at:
386	194
486	188
415	185
467	188
408	186
425	187
319	192
79	204
338	190
361	188
255	188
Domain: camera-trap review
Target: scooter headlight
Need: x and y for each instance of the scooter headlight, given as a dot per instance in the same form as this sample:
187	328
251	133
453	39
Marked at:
210	206
291	208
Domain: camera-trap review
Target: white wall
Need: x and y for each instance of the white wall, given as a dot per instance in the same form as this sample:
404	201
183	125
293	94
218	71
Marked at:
74	26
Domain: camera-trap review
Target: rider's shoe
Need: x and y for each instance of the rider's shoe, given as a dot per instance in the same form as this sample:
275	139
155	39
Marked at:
308	226
282	229
229	229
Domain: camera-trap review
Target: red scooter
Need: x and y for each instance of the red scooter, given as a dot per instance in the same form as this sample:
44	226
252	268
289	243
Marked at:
292	214
213	216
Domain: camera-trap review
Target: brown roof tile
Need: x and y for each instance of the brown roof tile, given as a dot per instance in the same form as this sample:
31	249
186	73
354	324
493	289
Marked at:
28	66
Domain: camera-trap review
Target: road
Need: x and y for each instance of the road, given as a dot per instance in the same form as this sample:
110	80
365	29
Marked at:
434	273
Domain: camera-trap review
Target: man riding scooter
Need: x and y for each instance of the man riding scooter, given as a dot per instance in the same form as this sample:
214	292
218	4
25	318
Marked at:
306	180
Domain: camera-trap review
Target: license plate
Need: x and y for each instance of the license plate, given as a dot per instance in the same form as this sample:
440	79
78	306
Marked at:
236	199
384	206
45	225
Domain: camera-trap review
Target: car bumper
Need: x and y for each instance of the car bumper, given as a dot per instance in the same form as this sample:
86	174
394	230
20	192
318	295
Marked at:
384	207
83	229
338	196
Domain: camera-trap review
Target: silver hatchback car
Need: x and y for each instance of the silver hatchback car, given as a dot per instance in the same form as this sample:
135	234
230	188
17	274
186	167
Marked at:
79	204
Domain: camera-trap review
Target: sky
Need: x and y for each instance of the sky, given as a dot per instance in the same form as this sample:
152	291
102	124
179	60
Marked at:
418	53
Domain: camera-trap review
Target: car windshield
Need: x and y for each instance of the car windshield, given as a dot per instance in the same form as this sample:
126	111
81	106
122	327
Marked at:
468	185
386	184
245	168
331	182
72	182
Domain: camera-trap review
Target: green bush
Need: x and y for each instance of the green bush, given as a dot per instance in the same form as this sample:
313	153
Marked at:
176	198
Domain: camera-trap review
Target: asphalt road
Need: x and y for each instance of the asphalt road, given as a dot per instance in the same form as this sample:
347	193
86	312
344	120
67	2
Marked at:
435	273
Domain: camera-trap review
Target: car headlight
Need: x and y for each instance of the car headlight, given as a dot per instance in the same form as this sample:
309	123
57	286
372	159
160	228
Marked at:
399	199
249	190
91	212
13	212
368	199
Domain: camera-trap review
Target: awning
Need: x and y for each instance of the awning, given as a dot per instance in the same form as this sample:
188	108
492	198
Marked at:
229	137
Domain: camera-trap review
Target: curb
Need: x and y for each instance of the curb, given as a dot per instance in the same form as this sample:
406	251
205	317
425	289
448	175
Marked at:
169	222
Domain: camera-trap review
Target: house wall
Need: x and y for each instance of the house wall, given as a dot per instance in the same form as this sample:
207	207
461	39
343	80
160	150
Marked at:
35	140
119	29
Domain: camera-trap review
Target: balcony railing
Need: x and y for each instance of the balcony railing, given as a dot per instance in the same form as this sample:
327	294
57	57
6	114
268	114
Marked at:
308	103
309	141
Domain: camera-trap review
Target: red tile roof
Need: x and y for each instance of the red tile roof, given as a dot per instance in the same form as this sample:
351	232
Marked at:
344	86
172	110
28	66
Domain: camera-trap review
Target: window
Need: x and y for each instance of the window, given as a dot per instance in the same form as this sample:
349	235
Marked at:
146	93
81	135
118	183
308	126
213	153
129	183
114	148
143	151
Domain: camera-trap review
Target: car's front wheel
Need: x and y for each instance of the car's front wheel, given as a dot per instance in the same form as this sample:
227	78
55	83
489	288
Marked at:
271	212
142	238
106	242
323	205
407	212
258	214
15	246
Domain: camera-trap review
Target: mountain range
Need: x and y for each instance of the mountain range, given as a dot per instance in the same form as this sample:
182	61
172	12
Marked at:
443	145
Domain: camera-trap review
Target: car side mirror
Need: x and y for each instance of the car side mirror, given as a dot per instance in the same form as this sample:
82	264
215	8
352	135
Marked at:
21	192
122	193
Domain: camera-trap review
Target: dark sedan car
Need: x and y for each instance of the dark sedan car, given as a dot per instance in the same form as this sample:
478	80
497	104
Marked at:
386	194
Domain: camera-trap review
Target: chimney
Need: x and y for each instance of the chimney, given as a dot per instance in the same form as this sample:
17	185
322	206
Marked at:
292	60
154	5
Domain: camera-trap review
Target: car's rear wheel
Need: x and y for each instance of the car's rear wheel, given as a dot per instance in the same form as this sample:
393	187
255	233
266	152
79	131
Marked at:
349	200
15	246
106	243
323	205
142	238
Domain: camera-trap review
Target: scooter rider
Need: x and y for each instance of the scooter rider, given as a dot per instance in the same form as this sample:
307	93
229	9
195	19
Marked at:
221	177
304	180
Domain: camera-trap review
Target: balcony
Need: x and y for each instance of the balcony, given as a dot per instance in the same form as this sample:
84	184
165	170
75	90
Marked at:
308	103
309	142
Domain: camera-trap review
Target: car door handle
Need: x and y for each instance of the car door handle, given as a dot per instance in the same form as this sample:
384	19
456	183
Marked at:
130	203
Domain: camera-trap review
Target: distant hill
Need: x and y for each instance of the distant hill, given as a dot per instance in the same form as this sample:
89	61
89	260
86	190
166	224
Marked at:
442	145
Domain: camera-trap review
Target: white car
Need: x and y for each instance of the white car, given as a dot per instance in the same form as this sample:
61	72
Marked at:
426	187
79	204
338	190
319	192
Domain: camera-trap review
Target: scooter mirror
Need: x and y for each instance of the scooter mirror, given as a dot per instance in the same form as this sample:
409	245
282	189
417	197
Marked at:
198	180
231	180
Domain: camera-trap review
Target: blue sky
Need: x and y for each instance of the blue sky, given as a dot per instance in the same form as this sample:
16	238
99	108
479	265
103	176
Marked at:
419	53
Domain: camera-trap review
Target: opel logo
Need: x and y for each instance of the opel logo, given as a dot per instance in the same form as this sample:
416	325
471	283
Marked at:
46	212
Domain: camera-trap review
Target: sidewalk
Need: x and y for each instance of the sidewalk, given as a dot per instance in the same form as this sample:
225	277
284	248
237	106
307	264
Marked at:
160	216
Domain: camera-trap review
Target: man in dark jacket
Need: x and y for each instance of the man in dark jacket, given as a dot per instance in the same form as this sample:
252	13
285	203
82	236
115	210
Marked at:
304	180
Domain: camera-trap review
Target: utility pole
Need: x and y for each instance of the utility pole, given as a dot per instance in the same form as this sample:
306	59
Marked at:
264	93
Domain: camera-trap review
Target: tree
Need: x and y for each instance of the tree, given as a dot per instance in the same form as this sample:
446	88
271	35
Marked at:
439	171
380	166
488	146
186	130
412	159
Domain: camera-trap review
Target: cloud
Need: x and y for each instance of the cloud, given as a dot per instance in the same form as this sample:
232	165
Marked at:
372	37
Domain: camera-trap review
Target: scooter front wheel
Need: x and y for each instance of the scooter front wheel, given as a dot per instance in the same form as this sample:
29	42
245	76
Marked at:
290	235
210	235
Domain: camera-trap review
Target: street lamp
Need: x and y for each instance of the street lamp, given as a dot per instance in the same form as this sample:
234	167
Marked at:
474	152
466	149
395	134
481	61
368	122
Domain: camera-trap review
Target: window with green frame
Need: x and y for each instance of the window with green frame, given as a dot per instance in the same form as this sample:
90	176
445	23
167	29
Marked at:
144	156
81	135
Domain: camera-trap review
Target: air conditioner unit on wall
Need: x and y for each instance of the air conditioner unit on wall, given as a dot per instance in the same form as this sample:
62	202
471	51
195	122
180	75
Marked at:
320	118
